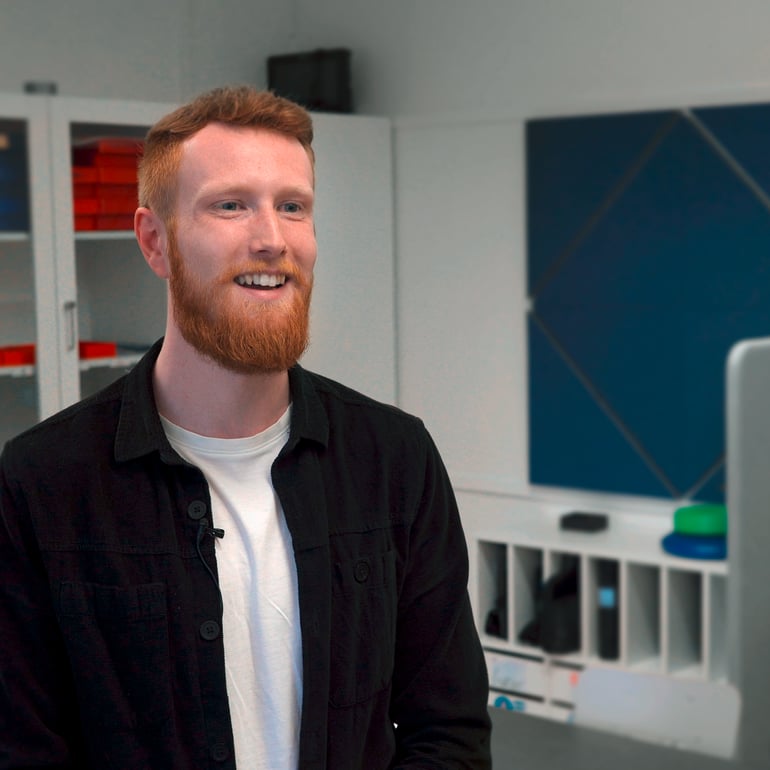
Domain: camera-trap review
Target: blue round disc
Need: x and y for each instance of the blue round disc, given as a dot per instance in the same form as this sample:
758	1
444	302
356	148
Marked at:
695	546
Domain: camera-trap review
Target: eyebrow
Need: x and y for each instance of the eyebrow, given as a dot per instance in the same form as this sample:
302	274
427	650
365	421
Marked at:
244	191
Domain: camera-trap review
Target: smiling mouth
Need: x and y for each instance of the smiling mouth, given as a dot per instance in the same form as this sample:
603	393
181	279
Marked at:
260	280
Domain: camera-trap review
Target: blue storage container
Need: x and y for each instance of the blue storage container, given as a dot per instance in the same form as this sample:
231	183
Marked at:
14	184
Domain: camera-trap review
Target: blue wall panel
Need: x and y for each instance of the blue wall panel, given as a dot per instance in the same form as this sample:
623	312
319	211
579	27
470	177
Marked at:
641	293
584	449
569	180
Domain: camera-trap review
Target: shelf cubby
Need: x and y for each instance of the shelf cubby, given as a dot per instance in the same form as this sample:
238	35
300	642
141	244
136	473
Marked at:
641	616
527	571
683	641
493	578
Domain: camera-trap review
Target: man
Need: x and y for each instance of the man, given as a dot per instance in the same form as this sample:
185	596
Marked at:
222	557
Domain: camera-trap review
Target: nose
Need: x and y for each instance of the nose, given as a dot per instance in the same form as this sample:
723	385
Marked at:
266	236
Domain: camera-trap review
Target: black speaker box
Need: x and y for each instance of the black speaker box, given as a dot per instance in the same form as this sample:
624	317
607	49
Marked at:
318	80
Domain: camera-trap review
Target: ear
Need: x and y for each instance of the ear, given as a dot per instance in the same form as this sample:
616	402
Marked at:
153	241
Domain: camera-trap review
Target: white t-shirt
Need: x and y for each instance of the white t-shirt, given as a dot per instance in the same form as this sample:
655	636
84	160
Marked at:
258	580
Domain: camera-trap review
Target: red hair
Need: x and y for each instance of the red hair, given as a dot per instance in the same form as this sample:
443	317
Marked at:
232	105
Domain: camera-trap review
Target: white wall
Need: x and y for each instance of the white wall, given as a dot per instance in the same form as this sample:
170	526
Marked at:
142	49
230	40
93	48
460	79
525	57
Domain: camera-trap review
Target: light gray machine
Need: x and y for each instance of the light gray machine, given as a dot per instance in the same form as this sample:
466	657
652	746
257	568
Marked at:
748	510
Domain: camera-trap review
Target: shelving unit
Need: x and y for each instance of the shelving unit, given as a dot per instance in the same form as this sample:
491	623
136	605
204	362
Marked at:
670	610
58	286
27	290
106	290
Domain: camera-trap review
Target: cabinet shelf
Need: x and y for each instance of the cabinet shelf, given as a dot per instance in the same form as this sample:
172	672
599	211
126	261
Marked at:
122	360
27	370
667	612
104	235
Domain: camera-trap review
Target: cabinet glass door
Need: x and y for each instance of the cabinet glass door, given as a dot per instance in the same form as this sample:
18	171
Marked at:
113	307
28	363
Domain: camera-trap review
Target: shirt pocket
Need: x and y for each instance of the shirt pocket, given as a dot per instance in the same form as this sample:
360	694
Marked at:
363	628
118	641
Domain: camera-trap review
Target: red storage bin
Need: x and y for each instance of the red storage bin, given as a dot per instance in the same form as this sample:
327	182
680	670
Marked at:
17	355
97	349
91	175
104	222
105	183
106	204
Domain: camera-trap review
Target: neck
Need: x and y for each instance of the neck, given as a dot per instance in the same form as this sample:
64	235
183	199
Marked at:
197	394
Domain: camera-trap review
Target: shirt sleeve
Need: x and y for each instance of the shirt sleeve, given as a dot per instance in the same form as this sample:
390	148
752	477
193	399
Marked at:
37	702
440	685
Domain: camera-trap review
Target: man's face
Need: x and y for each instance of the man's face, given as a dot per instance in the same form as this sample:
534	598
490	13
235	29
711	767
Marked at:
242	247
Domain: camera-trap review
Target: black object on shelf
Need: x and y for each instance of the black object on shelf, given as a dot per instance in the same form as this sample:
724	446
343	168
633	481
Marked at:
608	609
318	80
44	87
497	622
556	625
582	521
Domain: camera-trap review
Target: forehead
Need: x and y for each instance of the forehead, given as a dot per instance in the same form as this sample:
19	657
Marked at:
220	151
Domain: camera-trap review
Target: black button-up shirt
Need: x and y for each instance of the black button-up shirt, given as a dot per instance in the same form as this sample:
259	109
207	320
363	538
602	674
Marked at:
111	633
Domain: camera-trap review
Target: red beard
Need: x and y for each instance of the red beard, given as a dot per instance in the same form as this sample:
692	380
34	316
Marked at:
251	338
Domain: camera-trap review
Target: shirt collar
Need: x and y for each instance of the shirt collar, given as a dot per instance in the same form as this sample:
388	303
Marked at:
140	431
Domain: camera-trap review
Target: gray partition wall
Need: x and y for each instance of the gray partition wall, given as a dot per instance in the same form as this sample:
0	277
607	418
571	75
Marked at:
748	504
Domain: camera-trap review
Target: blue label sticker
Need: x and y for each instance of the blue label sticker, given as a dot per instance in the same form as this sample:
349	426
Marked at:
607	598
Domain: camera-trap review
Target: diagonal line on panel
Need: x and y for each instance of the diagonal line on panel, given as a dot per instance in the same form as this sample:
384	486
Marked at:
614	194
710	472
604	405
728	158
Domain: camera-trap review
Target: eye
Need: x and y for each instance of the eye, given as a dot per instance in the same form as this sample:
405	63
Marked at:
291	207
228	206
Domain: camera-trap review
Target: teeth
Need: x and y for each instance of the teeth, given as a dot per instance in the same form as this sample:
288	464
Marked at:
261	279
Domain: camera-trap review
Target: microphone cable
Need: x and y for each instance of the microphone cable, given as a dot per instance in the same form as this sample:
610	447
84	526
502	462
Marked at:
205	529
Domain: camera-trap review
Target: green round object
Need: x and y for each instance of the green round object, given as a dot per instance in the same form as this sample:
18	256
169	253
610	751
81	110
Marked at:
706	519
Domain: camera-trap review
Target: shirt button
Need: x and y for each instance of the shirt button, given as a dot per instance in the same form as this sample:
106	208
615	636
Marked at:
361	572
219	752
209	630
196	510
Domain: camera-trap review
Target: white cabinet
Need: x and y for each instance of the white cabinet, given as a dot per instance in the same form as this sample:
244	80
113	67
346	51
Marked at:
668	614
59	286
105	291
27	282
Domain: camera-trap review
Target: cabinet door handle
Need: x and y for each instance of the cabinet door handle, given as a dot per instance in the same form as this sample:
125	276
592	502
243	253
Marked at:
69	320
